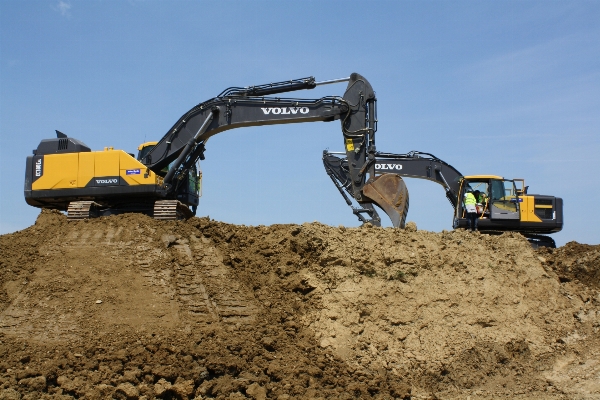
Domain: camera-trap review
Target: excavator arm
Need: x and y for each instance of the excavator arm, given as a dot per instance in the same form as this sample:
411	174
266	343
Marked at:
416	164
185	143
384	185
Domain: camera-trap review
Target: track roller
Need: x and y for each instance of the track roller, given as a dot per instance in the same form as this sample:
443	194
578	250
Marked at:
79	210
171	210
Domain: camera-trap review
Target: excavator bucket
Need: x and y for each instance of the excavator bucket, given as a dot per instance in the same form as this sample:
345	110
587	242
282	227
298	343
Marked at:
389	192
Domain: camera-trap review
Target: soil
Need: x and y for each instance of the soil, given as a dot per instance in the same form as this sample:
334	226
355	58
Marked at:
126	307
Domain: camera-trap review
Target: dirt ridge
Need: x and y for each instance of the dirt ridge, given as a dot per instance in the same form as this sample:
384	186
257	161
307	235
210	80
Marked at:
128	307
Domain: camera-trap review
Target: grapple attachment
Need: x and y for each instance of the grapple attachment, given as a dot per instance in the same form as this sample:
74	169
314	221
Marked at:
389	192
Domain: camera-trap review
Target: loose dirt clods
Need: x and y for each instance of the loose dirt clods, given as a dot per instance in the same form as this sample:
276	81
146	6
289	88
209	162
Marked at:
127	307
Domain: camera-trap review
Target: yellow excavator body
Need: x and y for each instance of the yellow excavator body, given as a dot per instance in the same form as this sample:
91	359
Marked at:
79	170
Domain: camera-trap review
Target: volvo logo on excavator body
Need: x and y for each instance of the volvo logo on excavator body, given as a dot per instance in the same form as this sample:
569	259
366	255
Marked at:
107	181
112	181
388	166
284	110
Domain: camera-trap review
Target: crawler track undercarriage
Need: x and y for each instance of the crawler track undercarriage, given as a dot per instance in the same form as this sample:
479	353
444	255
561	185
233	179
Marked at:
162	209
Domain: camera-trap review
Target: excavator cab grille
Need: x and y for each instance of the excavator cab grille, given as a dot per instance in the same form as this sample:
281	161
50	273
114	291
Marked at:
544	213
63	144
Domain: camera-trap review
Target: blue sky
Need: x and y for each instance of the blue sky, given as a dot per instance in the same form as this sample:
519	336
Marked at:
492	87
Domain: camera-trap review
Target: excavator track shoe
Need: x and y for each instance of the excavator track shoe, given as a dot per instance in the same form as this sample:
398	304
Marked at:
389	192
171	210
79	210
537	241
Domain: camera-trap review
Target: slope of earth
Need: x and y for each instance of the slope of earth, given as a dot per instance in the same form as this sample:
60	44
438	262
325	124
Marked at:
127	307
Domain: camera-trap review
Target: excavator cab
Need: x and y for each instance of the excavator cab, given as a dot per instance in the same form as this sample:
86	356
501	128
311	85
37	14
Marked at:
498	202
144	149
509	207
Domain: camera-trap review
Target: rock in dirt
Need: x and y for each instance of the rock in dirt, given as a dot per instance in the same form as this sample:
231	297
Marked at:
256	392
36	384
127	391
9	394
411	226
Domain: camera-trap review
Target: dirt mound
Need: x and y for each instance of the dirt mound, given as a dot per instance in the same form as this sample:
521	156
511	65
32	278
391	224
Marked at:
128	307
574	261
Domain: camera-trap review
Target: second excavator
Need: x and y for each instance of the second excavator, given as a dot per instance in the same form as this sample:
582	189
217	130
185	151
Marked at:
504	204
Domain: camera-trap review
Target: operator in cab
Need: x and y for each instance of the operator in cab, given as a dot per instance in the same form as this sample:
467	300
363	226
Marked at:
480	200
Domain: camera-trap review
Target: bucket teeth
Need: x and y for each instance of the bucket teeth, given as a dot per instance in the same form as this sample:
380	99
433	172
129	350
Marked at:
389	192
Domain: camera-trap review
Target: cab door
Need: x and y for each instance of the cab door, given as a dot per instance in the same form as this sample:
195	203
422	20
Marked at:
504	200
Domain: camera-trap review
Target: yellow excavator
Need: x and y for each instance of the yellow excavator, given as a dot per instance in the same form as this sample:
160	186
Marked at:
163	180
504	204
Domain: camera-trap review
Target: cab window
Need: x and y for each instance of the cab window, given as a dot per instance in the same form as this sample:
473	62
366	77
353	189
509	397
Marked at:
144	152
497	192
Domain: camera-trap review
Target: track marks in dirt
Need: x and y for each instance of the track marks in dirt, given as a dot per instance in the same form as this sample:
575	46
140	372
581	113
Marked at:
124	278
206	287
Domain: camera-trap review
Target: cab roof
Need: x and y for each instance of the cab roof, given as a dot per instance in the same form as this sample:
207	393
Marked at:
141	146
475	177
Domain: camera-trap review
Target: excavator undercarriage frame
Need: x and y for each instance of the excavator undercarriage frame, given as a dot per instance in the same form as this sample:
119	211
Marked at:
159	209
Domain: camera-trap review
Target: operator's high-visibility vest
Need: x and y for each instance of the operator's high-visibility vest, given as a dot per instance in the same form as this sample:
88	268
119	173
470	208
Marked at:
470	199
